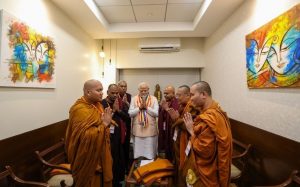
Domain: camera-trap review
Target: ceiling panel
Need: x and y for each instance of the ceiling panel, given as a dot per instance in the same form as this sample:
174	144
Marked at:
150	13
148	2
187	12
121	14
184	1
112	2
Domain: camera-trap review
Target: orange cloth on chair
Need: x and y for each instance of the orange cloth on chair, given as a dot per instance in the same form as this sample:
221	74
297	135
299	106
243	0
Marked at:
61	171
158	165
212	145
149	179
88	145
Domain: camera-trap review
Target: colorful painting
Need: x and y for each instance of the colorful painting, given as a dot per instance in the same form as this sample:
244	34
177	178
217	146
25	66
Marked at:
27	57
273	52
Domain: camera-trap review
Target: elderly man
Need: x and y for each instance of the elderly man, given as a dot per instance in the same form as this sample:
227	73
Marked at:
181	136
144	110
87	139
211	140
165	143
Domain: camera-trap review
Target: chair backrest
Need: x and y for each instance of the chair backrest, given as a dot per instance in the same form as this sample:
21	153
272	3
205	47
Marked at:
293	180
51	157
8	178
240	157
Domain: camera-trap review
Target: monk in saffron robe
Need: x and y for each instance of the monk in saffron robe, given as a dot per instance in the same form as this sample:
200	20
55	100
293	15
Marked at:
181	136
165	142
211	139
87	139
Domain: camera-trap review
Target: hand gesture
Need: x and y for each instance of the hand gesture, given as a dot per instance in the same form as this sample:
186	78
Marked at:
106	116
143	104
188	121
116	107
124	99
164	104
174	114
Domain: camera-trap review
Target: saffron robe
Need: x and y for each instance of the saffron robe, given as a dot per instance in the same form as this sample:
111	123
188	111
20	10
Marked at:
181	141
212	145
88	145
165	142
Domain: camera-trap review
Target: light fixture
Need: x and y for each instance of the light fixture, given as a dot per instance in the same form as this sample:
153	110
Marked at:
110	52
102	54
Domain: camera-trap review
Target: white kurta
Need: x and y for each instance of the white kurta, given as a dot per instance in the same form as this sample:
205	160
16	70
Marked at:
145	147
144	138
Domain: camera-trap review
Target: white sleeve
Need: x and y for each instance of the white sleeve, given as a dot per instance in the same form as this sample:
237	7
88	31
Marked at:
133	110
153	111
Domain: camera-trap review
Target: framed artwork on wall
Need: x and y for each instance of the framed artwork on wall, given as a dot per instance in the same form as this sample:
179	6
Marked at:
27	57
273	52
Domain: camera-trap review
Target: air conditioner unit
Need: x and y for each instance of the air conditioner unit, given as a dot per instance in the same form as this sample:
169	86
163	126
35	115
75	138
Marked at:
159	45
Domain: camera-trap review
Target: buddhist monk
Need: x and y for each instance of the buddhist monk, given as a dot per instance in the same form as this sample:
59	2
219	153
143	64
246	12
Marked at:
181	136
165	142
87	139
211	139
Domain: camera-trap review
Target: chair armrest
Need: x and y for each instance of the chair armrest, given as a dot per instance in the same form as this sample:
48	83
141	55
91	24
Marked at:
246	149
53	166
18	180
292	178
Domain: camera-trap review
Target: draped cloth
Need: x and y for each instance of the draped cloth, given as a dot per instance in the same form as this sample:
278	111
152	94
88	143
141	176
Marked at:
142	115
165	142
88	145
212	144
181	141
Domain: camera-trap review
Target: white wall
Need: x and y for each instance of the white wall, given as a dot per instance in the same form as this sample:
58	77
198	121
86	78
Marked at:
190	55
274	110
125	54
21	109
164	77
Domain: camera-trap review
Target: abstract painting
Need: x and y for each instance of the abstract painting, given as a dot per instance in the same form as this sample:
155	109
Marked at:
27	57
273	52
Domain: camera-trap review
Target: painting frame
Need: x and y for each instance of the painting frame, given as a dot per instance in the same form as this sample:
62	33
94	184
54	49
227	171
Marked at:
27	57
273	52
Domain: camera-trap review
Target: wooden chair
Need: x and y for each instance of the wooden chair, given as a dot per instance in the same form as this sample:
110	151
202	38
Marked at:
55	169
239	161
8	178
293	180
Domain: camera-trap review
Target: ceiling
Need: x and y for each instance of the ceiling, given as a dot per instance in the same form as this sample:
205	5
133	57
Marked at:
148	18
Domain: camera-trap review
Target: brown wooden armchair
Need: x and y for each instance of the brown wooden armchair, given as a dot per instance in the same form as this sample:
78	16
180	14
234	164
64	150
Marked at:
293	180
239	161
55	169
8	178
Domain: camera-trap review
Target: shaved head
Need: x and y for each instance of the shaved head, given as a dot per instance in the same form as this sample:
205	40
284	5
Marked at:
92	90
185	89
169	93
202	86
89	84
170	89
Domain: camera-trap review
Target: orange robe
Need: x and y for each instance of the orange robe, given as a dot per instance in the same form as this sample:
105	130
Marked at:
88	145
212	145
181	142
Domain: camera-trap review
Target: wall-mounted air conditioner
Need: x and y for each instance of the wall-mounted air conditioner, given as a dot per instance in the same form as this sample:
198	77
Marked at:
159	45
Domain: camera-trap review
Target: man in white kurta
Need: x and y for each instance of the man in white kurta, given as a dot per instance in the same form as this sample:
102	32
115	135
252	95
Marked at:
144	111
